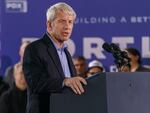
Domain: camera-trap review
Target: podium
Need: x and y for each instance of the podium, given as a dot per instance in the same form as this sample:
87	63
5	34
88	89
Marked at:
107	93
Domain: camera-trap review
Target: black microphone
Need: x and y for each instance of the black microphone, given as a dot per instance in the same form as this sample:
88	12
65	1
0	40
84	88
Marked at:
121	57
112	48
115	47
106	47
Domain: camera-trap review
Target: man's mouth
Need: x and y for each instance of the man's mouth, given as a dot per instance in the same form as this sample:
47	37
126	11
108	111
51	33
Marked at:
65	33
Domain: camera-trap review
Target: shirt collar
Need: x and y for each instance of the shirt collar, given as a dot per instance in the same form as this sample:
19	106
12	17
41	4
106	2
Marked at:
56	46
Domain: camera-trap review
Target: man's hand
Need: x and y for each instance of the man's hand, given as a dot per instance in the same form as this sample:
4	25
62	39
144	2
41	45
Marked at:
75	83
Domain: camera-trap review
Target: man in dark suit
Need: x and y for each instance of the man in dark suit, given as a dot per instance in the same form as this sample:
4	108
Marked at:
47	64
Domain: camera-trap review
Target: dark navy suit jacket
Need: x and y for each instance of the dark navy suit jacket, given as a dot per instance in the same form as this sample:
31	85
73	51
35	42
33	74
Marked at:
43	73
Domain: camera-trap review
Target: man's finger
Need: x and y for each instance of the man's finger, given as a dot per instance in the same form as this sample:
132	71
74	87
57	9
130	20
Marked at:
82	80
80	87
74	90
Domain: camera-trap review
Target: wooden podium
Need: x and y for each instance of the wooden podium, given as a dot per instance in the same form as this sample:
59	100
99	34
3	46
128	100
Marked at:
107	93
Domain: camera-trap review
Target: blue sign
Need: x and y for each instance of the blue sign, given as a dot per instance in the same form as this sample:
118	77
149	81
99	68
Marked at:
123	22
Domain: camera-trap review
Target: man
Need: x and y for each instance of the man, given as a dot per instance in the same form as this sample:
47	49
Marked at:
47	64
15	99
80	65
136	65
95	67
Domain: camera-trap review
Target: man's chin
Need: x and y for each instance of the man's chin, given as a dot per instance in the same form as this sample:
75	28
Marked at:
65	38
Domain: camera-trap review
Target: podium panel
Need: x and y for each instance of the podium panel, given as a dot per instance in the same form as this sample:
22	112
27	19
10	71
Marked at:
92	101
107	93
128	92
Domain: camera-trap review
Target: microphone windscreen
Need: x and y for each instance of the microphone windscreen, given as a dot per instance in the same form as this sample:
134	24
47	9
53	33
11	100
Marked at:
106	47
115	47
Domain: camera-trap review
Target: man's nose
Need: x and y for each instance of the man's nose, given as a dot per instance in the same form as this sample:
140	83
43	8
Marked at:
67	25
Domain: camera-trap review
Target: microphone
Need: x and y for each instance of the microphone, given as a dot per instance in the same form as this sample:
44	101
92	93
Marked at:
106	47
115	47
121	57
111	48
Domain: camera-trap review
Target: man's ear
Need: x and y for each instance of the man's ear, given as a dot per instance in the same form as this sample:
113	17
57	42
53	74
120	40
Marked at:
48	24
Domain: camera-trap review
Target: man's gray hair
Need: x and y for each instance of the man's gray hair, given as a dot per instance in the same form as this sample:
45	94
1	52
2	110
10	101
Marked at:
61	6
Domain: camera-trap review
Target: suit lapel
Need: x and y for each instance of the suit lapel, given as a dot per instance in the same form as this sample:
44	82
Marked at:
53	54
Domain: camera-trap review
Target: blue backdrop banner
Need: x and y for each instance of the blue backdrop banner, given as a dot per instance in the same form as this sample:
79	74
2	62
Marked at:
124	22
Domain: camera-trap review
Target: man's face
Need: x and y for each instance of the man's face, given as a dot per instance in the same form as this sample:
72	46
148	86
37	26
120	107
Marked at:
95	70
134	59
19	76
61	27
80	66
